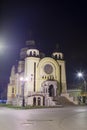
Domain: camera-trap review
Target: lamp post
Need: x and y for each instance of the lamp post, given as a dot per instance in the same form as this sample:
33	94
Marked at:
81	75
23	80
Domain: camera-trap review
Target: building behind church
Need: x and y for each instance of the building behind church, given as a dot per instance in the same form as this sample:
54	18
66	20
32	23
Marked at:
37	79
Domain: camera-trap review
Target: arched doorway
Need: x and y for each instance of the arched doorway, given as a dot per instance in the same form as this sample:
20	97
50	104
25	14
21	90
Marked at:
39	101
50	87
51	91
34	101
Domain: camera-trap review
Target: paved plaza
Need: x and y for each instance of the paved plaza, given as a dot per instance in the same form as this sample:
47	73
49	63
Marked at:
65	118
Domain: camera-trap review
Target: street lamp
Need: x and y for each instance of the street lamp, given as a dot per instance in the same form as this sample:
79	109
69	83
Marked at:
81	75
23	80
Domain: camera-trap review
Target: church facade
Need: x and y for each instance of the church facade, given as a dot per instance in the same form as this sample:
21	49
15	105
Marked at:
37	79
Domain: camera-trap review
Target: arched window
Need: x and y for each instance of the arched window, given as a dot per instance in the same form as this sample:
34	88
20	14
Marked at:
55	56
34	54
30	53
59	56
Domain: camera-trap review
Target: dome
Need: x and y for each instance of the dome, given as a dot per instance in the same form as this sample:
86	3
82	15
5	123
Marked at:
31	44
57	54
30	50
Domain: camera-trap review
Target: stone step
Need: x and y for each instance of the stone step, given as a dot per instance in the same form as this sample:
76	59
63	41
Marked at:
61	100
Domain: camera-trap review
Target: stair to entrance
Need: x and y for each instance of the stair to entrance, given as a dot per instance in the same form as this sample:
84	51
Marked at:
61	100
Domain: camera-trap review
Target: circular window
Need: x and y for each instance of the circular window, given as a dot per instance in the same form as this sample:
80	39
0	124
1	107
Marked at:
48	69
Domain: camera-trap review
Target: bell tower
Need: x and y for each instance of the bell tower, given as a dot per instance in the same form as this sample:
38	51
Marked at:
59	57
31	62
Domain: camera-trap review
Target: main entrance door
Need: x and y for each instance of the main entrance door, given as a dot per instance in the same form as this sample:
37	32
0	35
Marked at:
51	91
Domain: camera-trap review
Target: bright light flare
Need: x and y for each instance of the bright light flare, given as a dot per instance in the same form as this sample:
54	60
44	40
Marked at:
80	74
23	79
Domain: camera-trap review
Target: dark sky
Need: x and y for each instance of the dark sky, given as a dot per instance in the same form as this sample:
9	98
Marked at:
47	23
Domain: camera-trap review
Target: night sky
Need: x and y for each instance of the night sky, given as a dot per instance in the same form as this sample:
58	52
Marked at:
47	23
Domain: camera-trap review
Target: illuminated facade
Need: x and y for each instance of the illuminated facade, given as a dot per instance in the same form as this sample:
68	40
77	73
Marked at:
37	79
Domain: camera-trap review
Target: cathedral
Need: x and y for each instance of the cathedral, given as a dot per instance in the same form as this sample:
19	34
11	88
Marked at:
37	79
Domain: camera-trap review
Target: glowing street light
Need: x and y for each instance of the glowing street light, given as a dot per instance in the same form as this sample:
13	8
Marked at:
81	75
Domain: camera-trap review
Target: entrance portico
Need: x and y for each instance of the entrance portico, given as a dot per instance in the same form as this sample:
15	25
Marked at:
50	87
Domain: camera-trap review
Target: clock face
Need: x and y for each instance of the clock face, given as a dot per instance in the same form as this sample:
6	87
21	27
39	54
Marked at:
48	69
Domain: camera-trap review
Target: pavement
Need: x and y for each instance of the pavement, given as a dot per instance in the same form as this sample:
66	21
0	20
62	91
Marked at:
64	118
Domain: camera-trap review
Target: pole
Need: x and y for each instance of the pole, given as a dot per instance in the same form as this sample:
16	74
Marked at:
85	85
23	100
23	80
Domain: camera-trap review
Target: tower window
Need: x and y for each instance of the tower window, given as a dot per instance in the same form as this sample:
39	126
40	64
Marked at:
56	56
34	53
30	53
59	56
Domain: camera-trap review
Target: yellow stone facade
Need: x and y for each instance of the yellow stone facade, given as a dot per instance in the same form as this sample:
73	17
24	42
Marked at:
37	79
